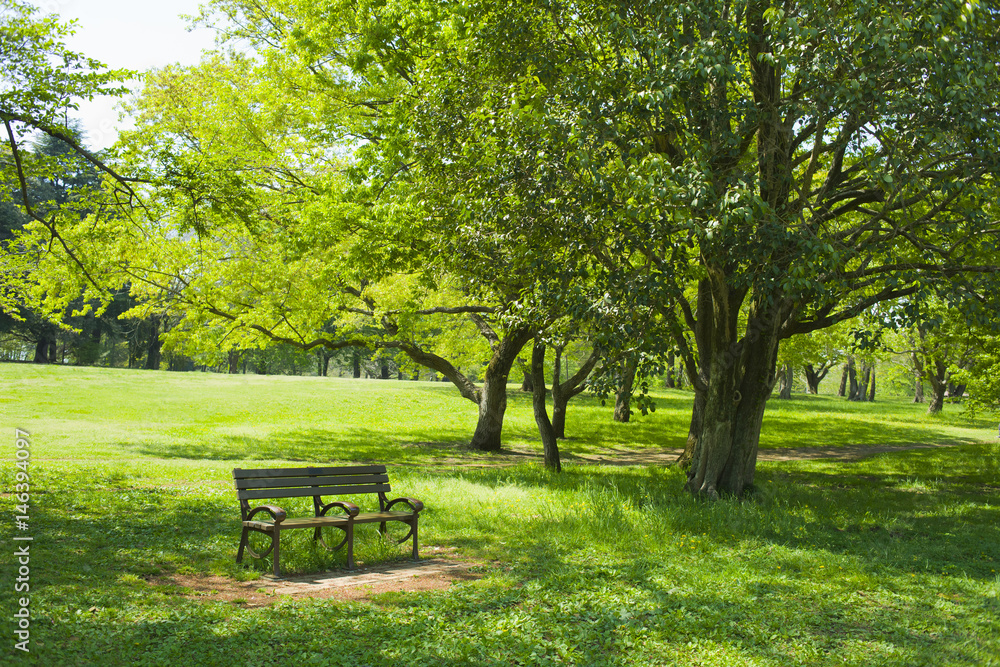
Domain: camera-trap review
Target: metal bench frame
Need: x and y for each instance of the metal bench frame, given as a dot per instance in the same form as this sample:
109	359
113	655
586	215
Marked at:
271	483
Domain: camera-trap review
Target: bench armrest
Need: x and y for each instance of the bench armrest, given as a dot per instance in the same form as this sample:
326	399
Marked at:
414	504
351	509
276	513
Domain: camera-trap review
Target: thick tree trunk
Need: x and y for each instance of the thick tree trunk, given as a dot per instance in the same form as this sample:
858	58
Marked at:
46	345
741	375
41	352
939	384
842	391
623	397
814	377
854	393
356	362
871	391
697	420
493	395
549	444
861	395
234	362
153	356
559	404
492	408
936	403
491	398
786	377
384	370
526	384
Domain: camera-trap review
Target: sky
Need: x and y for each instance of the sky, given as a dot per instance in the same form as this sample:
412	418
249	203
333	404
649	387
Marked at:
130	34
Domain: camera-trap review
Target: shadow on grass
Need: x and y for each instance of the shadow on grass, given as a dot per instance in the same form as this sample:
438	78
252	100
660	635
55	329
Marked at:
314	446
881	519
597	594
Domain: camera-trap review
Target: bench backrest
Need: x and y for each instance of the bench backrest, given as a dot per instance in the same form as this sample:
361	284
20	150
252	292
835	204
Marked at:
301	482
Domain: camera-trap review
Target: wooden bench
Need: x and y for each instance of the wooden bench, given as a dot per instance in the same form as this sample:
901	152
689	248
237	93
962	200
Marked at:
255	485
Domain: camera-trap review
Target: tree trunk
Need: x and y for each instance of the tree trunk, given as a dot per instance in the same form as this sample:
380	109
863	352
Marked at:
814	377
861	395
853	395
550	446
939	384
41	352
46	345
623	397
153	356
356	362
843	380
563	391
560	398
741	376
526	384
786	377
384	370
697	420
234	362
918	377
871	393
492	407
493	395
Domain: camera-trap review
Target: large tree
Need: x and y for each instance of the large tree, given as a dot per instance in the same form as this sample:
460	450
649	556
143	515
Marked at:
754	170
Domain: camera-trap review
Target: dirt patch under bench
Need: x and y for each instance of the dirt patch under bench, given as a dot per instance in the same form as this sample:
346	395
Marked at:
437	572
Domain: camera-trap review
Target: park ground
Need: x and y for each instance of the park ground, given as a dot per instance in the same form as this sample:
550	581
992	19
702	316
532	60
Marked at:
873	537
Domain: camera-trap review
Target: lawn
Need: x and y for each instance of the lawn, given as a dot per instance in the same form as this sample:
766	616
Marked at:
891	560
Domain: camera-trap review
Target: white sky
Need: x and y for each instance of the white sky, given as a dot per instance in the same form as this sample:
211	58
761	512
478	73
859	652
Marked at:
134	34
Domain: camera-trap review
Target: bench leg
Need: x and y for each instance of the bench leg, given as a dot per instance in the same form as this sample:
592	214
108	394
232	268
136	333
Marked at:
244	540
277	544
350	545
415	556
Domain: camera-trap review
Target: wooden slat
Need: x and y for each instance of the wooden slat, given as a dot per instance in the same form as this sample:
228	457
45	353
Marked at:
241	473
372	517
304	522
257	494
327	480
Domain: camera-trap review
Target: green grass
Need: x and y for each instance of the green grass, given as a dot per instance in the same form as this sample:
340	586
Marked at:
892	560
